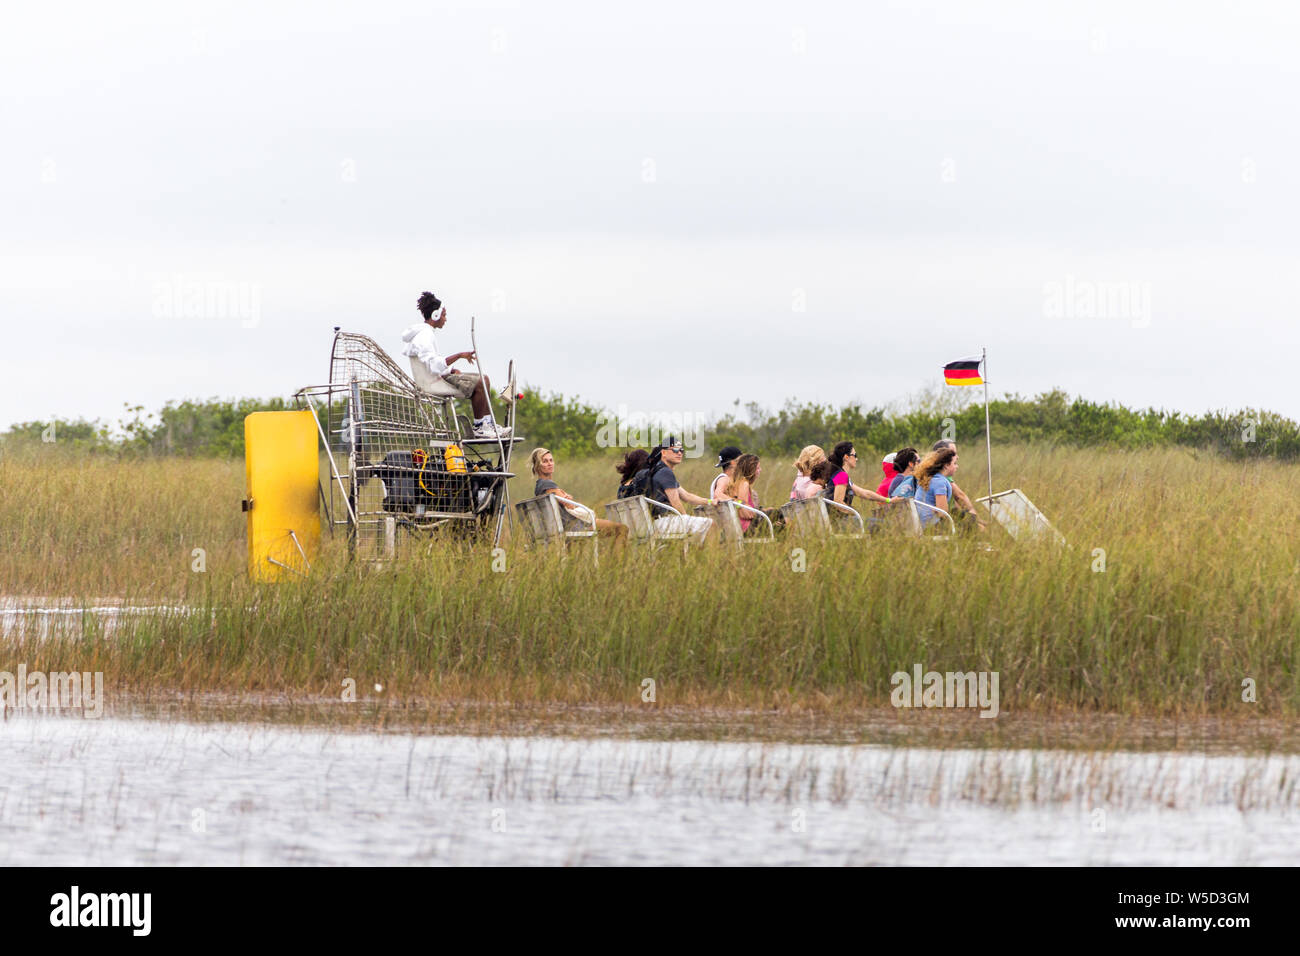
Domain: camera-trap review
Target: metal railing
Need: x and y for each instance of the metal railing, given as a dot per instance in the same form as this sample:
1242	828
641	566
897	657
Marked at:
724	514
813	516
543	519
1019	516
952	528
636	513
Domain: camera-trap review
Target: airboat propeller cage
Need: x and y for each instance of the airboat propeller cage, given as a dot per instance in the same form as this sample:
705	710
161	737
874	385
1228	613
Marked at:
371	419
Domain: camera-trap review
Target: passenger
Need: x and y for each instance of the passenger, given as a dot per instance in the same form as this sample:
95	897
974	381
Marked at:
747	471
741	488
809	457
819	479
419	346
542	463
633	462
960	496
727	462
665	489
934	483
903	484
887	466
841	488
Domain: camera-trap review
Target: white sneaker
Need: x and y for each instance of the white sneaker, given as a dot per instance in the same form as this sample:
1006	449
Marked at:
489	430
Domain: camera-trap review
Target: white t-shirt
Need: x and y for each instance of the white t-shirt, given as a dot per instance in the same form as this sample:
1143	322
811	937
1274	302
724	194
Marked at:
418	343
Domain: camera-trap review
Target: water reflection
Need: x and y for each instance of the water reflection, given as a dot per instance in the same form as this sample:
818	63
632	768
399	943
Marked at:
121	791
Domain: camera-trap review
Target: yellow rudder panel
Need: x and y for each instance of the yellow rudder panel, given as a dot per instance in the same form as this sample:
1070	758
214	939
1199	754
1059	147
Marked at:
281	458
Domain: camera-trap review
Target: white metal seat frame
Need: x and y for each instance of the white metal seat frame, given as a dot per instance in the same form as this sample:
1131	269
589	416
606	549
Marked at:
725	516
813	516
637	514
913	523
543	520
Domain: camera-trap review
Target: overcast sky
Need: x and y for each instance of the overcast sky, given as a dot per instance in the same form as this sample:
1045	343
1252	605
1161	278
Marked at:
668	205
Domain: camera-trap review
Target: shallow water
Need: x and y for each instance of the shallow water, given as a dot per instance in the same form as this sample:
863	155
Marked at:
43	617
122	791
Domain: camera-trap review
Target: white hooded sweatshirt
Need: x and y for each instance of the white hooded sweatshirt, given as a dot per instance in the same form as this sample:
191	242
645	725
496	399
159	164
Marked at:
418	343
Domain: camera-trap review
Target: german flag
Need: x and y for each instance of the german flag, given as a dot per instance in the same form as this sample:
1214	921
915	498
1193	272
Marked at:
964	372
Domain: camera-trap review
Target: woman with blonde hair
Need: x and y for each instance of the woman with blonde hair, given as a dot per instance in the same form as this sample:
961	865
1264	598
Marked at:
809	458
542	464
933	484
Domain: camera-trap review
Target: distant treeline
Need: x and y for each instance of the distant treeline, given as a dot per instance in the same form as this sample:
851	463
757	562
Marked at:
1051	418
210	429
571	429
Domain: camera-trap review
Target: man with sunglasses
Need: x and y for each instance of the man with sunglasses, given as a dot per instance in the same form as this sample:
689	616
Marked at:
665	489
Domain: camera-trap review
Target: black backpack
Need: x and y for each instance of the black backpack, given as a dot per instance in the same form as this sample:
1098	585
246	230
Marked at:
642	481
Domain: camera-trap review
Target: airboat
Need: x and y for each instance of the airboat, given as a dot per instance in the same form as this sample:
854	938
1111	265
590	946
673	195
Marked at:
404	468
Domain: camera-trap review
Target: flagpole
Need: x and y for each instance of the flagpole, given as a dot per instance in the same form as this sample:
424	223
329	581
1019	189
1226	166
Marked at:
988	434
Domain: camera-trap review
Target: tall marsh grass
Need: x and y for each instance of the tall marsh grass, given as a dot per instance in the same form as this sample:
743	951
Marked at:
1200	592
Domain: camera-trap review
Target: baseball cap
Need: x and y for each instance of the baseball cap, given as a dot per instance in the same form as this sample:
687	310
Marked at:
727	456
889	459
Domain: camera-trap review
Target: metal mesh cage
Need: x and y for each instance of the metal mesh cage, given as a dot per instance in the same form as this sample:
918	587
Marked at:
401	467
